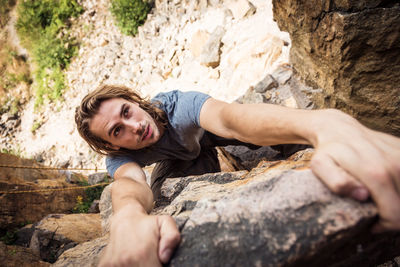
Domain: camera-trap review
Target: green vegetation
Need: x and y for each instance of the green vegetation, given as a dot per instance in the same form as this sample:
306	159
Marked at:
92	193
36	125
10	237
43	28
16	152
130	14
14	71
5	7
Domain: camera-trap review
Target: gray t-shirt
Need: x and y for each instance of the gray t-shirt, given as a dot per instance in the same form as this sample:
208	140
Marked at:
181	138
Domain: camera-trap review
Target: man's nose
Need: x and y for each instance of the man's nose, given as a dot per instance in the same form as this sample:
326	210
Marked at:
134	126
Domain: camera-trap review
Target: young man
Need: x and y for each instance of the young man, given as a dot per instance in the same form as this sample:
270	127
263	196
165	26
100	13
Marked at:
179	130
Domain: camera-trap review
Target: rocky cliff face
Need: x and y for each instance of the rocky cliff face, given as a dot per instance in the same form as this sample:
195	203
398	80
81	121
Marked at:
27	207
278	214
350	51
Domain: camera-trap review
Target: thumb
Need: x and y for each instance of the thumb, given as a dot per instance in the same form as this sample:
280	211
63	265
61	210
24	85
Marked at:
169	237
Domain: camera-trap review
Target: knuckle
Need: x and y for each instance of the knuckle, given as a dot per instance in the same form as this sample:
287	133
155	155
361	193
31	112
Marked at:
380	174
316	161
342	187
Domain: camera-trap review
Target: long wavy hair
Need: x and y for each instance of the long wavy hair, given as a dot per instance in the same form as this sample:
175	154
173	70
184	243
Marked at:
90	106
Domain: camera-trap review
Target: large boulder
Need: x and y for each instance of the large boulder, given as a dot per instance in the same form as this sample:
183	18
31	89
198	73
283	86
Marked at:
58	232
277	214
351	51
37	199
86	254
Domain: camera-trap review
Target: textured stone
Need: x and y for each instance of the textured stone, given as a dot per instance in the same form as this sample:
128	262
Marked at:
105	208
58	232
350	49
85	254
17	209
241	8
16	256
210	54
277	214
266	84
99	177
199	39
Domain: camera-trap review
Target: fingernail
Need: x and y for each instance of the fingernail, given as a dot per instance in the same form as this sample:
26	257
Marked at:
166	255
360	194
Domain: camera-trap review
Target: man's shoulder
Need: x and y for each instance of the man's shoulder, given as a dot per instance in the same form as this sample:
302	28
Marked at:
181	108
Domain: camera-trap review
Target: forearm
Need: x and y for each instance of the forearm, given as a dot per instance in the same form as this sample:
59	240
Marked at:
265	124
130	193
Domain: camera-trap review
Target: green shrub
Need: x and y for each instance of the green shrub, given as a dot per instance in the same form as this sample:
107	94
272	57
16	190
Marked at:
130	14
43	28
92	193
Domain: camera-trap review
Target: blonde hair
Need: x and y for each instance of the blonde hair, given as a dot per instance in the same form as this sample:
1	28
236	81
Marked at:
90	106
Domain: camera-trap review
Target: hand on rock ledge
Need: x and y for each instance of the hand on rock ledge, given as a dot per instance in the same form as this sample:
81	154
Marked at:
134	237
355	161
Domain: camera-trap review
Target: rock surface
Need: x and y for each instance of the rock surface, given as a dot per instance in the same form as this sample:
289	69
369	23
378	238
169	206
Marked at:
16	256
351	51
87	254
58	232
277	214
16	209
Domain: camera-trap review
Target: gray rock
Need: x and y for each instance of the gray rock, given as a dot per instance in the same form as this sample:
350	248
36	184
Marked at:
56	233
210	54
266	84
277	214
94	207
98	177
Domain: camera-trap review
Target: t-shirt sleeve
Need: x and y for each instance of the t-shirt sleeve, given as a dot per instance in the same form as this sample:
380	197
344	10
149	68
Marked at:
114	162
182	108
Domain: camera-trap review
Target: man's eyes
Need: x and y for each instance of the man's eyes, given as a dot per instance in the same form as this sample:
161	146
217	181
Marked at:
117	130
126	112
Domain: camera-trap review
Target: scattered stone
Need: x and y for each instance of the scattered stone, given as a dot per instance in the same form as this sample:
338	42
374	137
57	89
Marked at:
199	39
99	177
94	207
210	54
266	84
241	8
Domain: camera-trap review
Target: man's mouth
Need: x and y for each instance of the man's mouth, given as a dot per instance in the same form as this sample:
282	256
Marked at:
147	133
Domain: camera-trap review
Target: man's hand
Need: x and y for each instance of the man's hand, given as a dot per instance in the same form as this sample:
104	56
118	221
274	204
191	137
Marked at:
138	239
355	161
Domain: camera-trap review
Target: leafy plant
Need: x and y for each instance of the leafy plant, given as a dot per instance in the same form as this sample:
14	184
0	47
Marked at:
130	14
36	125
83	203
43	28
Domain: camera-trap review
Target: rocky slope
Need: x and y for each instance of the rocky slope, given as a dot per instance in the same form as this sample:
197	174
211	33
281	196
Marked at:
166	54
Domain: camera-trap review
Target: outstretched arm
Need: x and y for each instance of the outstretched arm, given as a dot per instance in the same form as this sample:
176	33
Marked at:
137	238
349	158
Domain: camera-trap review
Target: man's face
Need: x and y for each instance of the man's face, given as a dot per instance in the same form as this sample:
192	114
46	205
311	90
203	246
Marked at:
124	124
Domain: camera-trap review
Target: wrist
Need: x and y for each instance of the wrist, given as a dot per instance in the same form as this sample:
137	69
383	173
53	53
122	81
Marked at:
127	213
324	124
